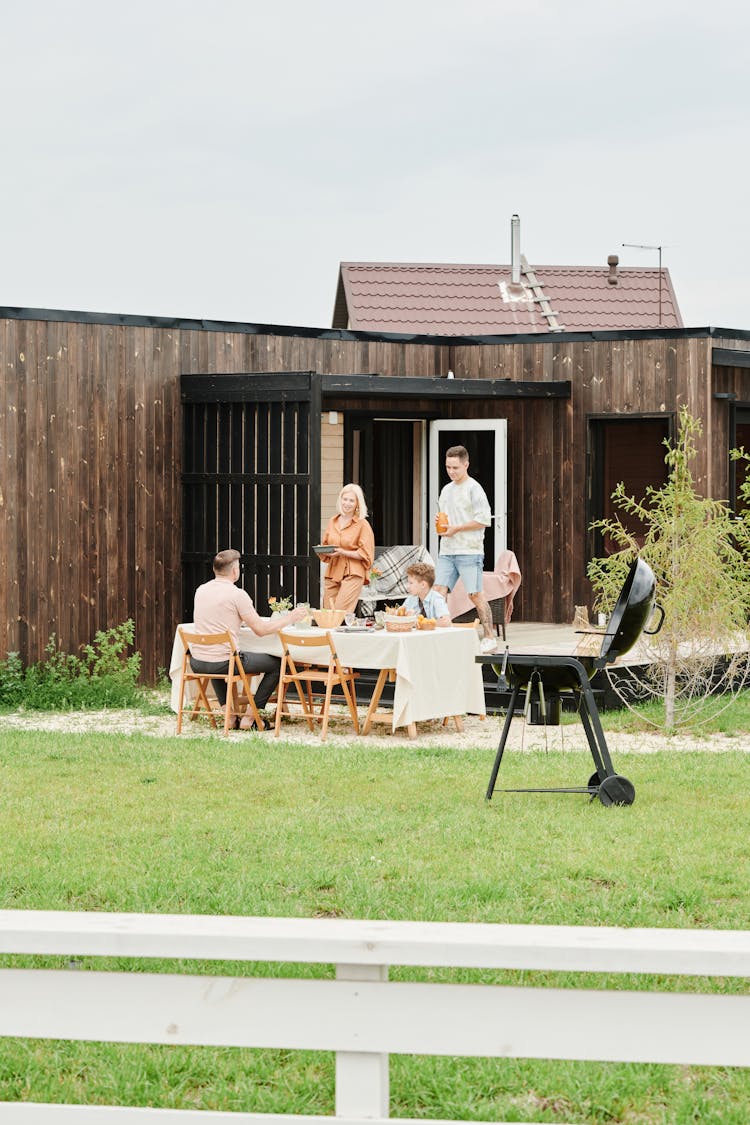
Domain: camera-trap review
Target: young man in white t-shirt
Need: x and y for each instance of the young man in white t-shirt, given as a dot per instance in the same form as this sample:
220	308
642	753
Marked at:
462	544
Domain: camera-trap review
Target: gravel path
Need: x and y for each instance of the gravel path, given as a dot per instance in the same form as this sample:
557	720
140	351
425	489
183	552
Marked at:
477	733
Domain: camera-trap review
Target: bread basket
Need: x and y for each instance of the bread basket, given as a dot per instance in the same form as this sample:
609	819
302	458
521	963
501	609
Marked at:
396	623
328	618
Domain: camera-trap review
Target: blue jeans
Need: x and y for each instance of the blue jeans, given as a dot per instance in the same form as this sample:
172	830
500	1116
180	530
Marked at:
467	567
252	662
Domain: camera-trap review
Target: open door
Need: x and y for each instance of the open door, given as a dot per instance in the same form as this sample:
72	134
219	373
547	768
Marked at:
486	442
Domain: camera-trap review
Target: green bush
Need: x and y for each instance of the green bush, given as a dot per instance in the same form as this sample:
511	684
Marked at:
103	676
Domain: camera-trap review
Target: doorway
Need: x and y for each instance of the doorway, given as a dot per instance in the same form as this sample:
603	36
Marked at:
739	469
385	456
486	444
627	450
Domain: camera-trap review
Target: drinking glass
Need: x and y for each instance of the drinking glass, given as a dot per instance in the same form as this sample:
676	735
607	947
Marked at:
350	619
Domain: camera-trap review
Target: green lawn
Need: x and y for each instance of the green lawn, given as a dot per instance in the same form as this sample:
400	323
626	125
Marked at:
98	822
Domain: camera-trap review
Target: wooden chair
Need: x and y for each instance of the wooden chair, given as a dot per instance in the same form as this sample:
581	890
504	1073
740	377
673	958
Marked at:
235	678
314	680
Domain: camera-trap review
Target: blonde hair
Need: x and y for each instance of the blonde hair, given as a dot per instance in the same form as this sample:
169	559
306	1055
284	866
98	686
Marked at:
361	509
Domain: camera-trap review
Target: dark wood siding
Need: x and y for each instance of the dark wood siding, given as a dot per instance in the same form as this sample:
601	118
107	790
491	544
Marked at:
90	425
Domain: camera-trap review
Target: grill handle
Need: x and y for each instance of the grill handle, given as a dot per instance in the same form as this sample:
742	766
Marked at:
650	632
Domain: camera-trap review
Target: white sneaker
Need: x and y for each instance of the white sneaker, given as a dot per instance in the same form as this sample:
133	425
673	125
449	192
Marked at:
488	644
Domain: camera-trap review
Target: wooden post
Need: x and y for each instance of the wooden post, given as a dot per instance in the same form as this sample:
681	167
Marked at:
362	1080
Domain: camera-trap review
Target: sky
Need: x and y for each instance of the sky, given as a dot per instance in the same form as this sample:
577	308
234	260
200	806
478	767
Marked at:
219	160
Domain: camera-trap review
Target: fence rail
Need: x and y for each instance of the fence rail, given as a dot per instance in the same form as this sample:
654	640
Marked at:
361	1015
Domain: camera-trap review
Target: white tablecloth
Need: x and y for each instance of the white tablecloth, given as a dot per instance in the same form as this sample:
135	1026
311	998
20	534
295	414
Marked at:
436	674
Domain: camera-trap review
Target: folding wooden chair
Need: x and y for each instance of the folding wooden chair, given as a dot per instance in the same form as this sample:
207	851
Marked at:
235	678
314	681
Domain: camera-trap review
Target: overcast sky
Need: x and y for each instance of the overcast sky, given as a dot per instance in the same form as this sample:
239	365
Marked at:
220	159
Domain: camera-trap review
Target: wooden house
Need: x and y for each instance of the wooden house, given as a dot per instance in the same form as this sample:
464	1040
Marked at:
132	448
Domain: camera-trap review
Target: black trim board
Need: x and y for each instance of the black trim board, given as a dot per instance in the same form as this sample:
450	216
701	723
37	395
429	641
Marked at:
729	357
281	386
396	386
298	386
8	312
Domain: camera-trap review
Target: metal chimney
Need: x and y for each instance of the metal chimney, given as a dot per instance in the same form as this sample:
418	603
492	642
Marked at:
515	251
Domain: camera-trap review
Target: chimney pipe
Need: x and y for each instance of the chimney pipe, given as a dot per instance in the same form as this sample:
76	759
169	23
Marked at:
515	251
613	262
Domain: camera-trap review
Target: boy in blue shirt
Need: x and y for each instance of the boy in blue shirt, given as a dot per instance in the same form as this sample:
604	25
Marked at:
422	598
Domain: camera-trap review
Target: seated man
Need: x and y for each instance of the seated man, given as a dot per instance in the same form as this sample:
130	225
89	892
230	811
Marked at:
219	606
422	597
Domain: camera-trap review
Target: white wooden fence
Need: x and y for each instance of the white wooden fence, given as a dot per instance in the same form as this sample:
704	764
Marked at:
360	1014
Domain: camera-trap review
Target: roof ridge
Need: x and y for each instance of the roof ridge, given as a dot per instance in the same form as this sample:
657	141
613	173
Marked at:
492	266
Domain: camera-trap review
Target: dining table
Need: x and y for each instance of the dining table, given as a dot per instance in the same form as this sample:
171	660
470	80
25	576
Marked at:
434	672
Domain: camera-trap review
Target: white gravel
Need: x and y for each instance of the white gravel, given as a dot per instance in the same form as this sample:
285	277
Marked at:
477	733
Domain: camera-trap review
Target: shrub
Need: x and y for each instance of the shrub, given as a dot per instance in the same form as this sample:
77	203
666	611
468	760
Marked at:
700	558
103	676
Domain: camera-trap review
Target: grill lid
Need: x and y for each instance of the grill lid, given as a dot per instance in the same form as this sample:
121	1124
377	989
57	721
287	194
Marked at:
634	607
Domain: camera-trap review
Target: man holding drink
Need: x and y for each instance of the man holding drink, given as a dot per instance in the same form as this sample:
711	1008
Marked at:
464	502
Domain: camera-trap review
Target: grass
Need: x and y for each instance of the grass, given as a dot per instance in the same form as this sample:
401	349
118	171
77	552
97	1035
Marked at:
100	822
717	716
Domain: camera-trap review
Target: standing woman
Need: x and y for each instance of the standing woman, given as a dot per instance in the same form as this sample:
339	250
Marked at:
350	533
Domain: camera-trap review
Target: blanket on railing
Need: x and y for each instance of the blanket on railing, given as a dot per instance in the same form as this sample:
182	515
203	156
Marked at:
391	584
503	582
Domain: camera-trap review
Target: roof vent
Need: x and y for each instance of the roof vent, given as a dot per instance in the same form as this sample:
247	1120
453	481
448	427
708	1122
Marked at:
515	250
516	289
613	261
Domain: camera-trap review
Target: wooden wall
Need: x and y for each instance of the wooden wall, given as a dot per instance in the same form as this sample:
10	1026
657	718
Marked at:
90	449
90	455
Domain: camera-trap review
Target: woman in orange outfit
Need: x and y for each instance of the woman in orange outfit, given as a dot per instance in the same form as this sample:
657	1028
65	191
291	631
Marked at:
350	533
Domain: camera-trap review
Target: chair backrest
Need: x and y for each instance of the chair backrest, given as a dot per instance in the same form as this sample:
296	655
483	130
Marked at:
309	640
189	638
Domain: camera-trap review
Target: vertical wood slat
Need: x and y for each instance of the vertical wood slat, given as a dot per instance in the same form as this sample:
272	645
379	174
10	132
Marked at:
23	541
155	394
12	493
8	503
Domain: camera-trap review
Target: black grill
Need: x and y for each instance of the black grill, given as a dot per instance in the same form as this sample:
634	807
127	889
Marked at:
560	675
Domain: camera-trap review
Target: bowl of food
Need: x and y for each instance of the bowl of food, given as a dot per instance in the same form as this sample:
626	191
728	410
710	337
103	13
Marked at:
426	623
328	618
399	620
323	551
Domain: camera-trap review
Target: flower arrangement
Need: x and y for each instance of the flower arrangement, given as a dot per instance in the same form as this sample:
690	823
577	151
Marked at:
375	574
280	605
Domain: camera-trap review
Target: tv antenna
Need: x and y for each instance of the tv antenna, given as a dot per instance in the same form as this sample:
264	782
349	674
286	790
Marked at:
640	246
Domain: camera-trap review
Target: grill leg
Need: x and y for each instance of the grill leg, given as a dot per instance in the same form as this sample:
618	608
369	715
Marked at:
593	726
503	740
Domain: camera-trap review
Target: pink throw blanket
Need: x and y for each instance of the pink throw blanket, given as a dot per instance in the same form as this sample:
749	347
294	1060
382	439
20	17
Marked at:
502	582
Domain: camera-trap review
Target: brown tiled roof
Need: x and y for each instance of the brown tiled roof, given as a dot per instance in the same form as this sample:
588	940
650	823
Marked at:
464	300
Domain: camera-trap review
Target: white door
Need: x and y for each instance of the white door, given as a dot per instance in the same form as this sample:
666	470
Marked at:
486	442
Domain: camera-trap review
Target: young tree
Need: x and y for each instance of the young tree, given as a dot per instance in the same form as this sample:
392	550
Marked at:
703	585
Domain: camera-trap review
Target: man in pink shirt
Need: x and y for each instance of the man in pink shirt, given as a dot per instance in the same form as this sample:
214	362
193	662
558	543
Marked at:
220	605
